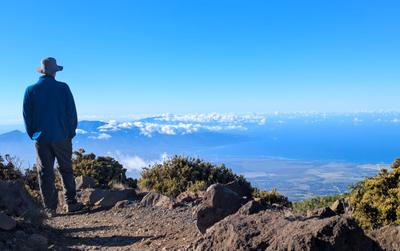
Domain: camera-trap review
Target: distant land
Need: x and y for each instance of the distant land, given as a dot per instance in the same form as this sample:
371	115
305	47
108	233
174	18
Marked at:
301	154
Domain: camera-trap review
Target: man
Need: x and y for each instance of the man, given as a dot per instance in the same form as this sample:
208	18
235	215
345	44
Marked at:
51	120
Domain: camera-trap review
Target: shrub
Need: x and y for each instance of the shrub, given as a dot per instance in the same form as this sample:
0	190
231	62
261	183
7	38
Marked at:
106	171
375	201
181	173
32	183
273	197
316	202
9	168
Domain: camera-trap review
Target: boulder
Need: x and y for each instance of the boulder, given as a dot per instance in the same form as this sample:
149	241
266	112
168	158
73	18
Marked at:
16	201
157	200
83	182
219	202
121	204
140	195
240	187
338	207
7	222
190	197
105	198
388	237
321	213
253	207
269	230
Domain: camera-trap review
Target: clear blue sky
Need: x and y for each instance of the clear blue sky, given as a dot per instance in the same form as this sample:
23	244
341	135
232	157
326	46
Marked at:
123	58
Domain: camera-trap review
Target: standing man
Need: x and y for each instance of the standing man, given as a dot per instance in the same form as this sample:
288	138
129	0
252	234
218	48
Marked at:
50	120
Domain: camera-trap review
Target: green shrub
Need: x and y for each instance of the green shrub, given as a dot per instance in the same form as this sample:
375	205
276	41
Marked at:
316	202
106	171
198	185
9	169
272	197
180	174
375	201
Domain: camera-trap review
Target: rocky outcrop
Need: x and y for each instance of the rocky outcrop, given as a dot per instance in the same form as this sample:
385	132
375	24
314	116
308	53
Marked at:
254	206
121	204
105	198
339	207
321	213
15	200
157	200
219	202
388	237
191	198
83	182
20	219
269	230
242	188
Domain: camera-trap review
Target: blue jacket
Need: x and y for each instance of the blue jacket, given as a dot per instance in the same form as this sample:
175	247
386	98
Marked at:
49	110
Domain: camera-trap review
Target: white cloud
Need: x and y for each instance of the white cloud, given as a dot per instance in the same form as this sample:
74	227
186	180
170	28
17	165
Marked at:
169	124
149	128
101	136
214	118
257	174
111	125
80	131
136	163
376	167
133	163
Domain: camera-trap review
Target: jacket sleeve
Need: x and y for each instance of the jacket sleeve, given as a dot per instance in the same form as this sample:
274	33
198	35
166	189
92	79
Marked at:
72	117
27	113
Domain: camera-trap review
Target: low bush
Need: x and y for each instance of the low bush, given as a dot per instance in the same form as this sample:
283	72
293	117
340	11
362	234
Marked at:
9	168
375	201
273	197
316	202
180	173
106	171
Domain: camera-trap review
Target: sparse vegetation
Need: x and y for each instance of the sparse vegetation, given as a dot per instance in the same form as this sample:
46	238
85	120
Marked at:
375	201
316	202
9	169
106	171
180	174
273	197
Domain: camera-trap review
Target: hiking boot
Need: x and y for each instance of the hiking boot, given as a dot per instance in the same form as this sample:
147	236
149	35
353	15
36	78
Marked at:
74	207
49	213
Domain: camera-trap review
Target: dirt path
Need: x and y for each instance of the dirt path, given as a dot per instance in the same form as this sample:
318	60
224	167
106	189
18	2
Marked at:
130	228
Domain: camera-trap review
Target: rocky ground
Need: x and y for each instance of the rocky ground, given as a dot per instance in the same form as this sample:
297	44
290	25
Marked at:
130	227
221	218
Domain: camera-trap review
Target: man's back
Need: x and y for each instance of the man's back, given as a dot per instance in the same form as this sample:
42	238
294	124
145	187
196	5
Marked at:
51	120
49	110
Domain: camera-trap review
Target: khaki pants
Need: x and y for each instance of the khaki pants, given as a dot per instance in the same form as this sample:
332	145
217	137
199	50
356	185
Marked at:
47	152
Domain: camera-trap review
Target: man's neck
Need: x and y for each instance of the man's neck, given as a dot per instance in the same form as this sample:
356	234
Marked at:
48	76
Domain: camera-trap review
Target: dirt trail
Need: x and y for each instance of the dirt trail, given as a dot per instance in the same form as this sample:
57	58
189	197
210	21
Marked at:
130	228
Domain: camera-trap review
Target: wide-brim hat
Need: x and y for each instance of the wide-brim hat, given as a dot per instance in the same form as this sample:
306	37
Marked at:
49	66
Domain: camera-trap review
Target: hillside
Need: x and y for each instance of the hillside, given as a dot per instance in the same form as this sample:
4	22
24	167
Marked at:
159	224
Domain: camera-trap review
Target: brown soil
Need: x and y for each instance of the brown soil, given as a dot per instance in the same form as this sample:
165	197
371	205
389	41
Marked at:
130	228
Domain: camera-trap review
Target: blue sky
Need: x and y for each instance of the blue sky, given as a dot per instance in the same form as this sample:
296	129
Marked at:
125	58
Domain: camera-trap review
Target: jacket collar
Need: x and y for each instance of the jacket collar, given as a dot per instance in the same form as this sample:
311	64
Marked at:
46	76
